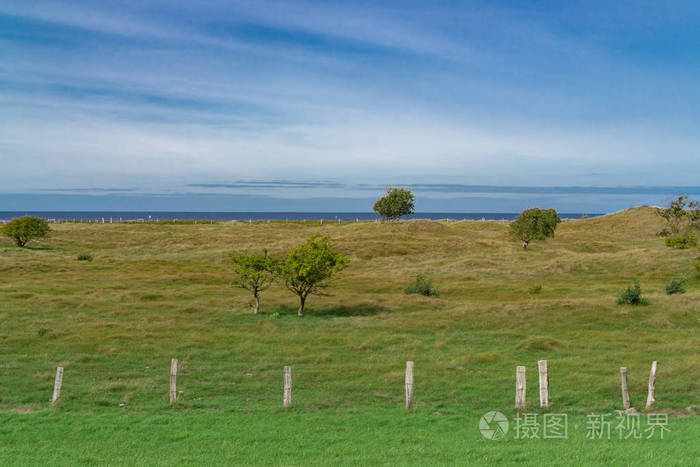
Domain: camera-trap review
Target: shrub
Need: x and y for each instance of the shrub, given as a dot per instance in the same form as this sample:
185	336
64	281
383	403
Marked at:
84	257
24	229
676	286
422	286
681	242
632	295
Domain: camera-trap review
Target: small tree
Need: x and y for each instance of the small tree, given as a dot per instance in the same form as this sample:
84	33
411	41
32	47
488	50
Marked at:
307	268
24	229
396	203
254	273
682	218
534	224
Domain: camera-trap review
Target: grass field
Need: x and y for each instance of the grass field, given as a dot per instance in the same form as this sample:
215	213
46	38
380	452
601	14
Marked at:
153	292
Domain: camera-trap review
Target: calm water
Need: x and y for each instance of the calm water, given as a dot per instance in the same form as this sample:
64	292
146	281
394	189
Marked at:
256	216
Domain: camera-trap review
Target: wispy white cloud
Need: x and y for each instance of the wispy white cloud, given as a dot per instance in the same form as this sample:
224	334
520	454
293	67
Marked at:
169	93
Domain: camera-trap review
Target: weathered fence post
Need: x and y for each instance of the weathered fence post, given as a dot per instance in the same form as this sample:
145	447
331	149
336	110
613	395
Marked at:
409	385
57	385
625	392
652	382
173	380
544	383
520	387
287	386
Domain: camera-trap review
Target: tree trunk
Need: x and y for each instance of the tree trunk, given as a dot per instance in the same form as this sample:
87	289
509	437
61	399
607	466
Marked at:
525	243
256	305
302	300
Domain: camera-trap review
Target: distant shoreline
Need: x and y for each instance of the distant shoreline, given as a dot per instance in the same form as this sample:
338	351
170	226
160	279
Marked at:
126	216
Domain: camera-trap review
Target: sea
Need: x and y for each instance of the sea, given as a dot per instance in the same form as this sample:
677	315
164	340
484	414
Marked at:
145	216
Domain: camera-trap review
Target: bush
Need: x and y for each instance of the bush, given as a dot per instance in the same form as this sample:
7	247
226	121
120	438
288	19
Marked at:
681	242
632	295
422	286
676	286
84	257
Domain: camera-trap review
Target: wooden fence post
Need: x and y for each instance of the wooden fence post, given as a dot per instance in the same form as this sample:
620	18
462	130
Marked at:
57	385
287	386
409	385
625	392
520	387
544	383
652	382
173	380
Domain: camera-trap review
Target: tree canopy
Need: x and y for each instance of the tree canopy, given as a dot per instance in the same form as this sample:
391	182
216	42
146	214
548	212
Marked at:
255	273
307	268
534	224
396	203
25	229
682	218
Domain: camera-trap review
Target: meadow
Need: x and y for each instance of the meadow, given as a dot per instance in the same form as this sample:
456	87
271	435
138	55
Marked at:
154	291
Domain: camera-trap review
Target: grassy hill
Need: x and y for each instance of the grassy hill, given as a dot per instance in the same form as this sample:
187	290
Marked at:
156	291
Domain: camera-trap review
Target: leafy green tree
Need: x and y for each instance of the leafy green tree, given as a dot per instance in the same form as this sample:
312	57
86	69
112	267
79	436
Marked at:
308	267
682	218
255	273
534	224
24	229
396	203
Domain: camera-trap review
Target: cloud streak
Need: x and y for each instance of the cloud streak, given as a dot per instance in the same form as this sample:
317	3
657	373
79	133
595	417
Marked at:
442	97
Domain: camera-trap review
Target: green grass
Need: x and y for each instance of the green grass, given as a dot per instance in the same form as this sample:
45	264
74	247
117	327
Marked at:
156	291
377	437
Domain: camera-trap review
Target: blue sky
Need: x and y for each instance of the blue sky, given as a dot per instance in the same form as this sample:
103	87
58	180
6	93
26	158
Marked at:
248	98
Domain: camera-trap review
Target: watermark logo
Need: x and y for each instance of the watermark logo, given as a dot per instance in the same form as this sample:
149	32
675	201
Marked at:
493	425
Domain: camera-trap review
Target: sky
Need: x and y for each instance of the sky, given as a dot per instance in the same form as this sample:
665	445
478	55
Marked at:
313	105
